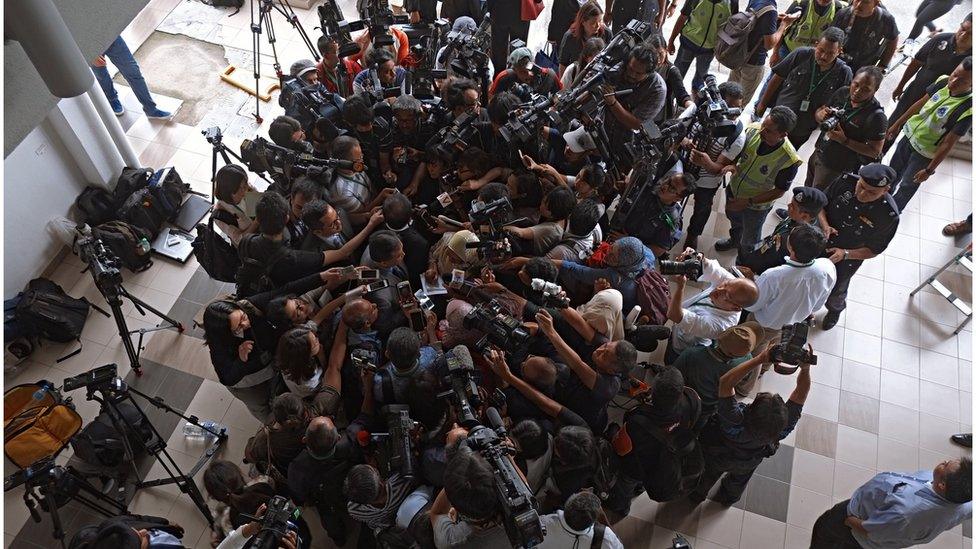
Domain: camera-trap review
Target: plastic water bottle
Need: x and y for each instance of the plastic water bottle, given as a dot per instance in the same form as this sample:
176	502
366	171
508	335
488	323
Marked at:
42	390
192	431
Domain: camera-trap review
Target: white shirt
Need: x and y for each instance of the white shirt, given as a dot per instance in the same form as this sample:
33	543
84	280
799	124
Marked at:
792	292
701	321
731	150
560	536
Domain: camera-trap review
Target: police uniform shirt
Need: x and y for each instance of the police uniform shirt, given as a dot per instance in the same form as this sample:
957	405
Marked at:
865	35
859	224
805	85
866	123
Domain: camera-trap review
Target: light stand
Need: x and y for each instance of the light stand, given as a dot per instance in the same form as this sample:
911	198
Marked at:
262	8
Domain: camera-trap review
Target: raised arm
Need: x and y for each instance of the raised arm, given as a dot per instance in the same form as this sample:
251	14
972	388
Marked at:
333	256
587	375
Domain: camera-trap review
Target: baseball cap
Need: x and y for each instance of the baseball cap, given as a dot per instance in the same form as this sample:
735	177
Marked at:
579	140
302	66
877	174
521	58
740	340
809	199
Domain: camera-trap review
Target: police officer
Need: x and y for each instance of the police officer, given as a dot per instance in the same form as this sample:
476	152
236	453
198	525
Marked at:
771	251
860	219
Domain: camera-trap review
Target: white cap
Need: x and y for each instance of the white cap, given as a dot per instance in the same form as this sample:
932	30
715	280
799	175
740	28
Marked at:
579	140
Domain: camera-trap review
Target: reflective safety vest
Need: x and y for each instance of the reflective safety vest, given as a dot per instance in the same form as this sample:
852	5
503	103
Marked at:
807	30
926	129
705	21
757	174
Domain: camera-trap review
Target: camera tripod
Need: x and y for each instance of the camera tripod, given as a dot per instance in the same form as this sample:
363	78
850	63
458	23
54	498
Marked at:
110	391
216	140
52	486
112	290
262	9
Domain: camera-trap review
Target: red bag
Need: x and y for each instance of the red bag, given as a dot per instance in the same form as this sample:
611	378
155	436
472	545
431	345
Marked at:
531	9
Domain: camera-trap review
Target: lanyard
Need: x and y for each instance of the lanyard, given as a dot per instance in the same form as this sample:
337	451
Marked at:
813	75
700	302
848	105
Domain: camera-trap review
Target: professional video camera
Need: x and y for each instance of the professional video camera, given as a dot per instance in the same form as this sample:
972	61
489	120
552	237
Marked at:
95	379
467	53
529	118
691	267
552	292
309	102
492	251
791	348
646	150
394	448
456	137
463	394
379	18
261	155
335	26
833	119
102	263
421	76
500	329
489	218
279	519
713	119
520	513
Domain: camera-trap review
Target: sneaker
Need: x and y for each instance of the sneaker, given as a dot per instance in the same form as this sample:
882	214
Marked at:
830	320
724	245
159	114
782	214
117	107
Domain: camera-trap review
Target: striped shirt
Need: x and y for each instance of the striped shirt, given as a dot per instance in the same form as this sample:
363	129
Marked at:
378	518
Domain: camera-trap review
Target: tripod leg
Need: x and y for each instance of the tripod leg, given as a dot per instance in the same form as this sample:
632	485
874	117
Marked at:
140	304
256	52
130	351
52	510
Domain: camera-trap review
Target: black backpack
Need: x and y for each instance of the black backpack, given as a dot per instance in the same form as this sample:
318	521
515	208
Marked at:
97	205
102	445
143	210
45	310
217	256
226	4
124	242
254	276
169	190
131	180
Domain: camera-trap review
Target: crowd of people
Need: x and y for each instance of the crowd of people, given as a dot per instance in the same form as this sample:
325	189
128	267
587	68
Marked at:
491	273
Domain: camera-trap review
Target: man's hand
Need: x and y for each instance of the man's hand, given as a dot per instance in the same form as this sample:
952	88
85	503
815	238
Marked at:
836	254
837	134
920	176
607	18
375	219
544	320
730	169
244	350
746	272
499	365
892	133
415	17
600	285
804	365
487	275
289	541
431	275
99	61
334	275
671	48
252	528
829	231
896	93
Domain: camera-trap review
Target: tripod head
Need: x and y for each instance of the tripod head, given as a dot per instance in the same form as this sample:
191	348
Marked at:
104	379
37	473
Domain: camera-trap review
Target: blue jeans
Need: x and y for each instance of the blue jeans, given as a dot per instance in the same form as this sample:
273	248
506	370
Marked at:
783	52
906	162
702	61
746	227
122	58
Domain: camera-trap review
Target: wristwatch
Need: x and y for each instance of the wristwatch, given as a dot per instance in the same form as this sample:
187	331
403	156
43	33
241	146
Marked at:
846	254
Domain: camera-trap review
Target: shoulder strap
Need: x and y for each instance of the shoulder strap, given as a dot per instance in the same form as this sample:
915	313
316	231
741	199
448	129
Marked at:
598	531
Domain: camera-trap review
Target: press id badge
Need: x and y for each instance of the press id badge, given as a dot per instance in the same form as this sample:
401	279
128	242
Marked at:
804	106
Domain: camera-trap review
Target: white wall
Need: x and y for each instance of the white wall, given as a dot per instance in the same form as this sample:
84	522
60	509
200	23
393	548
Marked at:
41	181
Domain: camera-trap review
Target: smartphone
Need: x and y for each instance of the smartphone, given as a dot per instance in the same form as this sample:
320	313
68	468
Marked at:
526	161
417	321
348	271
369	274
404	292
378	285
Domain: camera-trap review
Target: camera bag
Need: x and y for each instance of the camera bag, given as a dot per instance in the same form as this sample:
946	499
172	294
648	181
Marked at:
217	256
169	190
37	423
123	240
254	276
102	445
130	181
141	209
48	311
97	205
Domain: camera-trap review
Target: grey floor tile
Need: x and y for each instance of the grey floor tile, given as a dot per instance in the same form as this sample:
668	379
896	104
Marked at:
817	435
183	311
779	466
967	528
859	411
767	497
201	288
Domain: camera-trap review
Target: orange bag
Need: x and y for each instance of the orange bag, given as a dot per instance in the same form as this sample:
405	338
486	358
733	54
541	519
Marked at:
34	429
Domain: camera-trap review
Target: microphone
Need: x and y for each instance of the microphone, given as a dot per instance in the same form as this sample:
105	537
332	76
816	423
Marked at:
495	419
463	355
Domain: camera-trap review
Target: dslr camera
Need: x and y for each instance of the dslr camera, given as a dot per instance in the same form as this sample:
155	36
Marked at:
277	521
501	330
691	267
833	119
791	349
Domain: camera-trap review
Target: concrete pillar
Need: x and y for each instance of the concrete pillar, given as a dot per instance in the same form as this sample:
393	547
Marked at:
111	123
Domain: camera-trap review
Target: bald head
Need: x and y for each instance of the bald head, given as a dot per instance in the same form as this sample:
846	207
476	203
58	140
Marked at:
358	314
735	294
321	436
540	372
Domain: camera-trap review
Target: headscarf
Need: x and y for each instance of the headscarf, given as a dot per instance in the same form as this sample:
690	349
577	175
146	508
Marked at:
604	313
455	242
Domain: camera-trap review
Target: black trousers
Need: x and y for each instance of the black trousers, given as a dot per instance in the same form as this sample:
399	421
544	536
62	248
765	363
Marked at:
837	300
830	532
736	478
703	209
503	32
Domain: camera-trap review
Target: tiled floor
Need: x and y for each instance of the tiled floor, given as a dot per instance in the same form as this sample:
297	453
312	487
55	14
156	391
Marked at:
891	385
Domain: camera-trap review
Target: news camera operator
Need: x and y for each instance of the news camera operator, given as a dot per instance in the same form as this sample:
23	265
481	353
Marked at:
287	132
305	98
656	218
239	538
860	219
409	359
521	70
746	434
701	318
375	139
556	208
411	132
805	80
336	80
722	152
374	501
242	341
466	513
853	126
304	189
626	113
529	390
381	74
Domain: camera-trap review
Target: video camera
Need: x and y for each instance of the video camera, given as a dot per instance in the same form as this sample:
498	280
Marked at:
519	507
791	348
279	518
335	26
261	155
379	18
467	52
489	218
309	102
395	452
102	263
529	118
646	150
500	329
456	137
551	293
97	378
713	119
463	394
421	77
